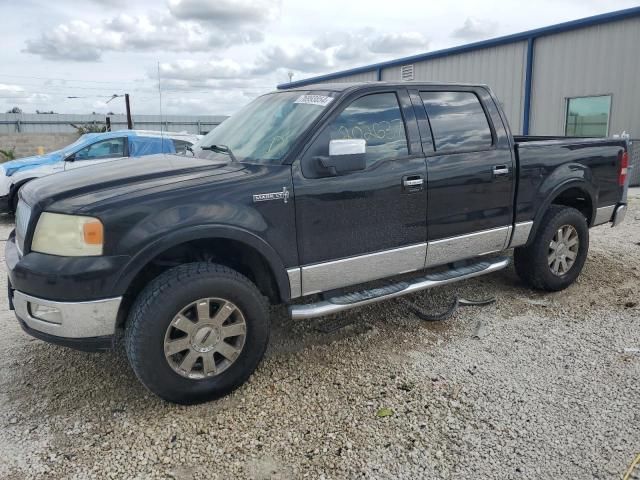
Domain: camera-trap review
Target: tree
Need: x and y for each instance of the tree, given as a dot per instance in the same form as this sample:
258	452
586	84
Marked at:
15	110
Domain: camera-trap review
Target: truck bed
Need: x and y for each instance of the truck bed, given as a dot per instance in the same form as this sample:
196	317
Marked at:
542	160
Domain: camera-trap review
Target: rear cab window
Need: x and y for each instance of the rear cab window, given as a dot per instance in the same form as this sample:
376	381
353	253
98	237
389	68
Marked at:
458	121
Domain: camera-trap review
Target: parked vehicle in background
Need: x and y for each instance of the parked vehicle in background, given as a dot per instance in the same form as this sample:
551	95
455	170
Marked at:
321	190
89	149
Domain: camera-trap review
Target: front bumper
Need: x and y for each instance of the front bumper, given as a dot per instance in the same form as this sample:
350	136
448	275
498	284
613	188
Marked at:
81	325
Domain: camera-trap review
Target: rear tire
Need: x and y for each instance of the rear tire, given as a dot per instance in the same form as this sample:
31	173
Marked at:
215	319
555	257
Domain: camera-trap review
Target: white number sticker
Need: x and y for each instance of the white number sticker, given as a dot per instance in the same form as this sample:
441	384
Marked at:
320	100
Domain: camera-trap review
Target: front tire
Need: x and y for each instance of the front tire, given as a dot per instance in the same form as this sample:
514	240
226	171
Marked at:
197	332
555	257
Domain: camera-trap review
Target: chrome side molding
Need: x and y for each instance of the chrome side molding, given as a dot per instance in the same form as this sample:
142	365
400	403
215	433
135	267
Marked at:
295	281
447	250
603	215
363	268
521	232
365	297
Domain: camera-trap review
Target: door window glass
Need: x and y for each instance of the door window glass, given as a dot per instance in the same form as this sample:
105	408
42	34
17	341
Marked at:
457	120
111	148
377	119
588	116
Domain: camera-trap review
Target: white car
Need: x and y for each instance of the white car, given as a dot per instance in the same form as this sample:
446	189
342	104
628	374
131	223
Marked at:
89	149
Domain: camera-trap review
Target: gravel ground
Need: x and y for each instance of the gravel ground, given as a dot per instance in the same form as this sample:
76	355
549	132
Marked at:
533	386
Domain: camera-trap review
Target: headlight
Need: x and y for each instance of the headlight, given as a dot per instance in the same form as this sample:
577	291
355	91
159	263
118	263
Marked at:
68	235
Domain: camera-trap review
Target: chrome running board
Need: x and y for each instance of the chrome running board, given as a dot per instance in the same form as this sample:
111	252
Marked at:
364	297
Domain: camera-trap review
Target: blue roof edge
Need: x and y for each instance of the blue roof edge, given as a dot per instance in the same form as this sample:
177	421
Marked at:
493	42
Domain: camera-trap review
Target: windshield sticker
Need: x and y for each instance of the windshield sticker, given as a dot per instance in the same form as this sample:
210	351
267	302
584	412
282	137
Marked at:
320	100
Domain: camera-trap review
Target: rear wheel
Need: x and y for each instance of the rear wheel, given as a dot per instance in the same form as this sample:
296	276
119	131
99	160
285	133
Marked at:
197	332
555	257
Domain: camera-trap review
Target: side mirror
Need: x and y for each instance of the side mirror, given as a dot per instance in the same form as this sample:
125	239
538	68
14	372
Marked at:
345	156
70	158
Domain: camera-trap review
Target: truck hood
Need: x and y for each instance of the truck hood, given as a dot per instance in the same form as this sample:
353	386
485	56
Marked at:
28	163
111	179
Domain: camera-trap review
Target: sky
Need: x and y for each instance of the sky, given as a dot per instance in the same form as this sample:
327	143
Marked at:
214	56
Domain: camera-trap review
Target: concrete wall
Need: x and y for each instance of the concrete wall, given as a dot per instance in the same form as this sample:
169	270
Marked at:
61	123
598	60
27	144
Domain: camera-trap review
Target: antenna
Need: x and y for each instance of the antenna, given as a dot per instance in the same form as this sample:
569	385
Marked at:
160	102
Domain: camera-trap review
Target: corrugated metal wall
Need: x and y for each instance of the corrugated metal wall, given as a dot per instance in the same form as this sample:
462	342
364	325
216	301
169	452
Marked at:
358	77
596	60
61	123
634	170
502	68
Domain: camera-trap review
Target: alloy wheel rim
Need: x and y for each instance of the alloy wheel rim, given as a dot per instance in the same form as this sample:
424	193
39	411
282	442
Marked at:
205	338
563	250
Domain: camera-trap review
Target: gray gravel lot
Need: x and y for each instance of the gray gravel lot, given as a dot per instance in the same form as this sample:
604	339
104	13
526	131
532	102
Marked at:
534	386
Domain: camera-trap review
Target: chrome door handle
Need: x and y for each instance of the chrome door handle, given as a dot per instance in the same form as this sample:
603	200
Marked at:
500	170
413	182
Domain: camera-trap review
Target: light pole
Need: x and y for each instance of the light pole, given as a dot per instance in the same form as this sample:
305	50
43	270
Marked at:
127	105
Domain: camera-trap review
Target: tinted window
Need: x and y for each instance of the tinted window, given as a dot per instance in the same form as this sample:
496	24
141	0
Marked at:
588	116
457	120
378	120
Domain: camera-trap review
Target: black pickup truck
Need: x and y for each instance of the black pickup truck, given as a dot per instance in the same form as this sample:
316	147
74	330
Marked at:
334	196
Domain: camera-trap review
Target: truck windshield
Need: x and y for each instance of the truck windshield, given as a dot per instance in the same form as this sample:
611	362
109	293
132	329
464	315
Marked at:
265	129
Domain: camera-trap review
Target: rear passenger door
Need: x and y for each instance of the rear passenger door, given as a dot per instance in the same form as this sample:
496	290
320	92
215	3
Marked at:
470	174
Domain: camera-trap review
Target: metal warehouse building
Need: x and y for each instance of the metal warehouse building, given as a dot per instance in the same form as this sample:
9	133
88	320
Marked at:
579	78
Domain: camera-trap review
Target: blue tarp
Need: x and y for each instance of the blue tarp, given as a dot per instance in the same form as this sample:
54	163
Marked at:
141	146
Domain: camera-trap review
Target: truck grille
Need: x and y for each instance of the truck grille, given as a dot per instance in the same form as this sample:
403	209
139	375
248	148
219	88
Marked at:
23	214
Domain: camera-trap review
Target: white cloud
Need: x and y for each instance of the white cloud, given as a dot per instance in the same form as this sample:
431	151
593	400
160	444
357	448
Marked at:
226	13
79	40
475	29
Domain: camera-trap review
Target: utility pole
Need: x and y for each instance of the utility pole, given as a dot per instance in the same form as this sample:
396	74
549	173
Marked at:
129	121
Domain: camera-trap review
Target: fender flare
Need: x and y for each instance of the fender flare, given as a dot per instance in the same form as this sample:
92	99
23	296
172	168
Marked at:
13	189
201	232
568	184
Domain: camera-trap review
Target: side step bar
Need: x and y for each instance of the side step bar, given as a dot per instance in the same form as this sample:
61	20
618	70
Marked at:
365	297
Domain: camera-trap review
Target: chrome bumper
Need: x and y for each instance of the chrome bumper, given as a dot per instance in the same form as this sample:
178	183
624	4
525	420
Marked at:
618	215
68	319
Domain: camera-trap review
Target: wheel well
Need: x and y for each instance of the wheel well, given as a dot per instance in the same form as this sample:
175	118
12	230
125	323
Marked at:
236	255
578	199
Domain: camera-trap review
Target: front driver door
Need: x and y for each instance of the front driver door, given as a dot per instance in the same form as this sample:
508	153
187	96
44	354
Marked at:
366	224
101	151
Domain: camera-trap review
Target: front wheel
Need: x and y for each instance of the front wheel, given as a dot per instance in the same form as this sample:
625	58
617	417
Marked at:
197	332
555	257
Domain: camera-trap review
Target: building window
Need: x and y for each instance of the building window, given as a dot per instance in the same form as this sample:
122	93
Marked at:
588	116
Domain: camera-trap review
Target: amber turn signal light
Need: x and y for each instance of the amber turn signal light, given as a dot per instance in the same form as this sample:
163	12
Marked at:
93	233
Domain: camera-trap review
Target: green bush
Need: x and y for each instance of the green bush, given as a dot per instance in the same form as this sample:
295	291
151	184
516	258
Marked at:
9	154
89	128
